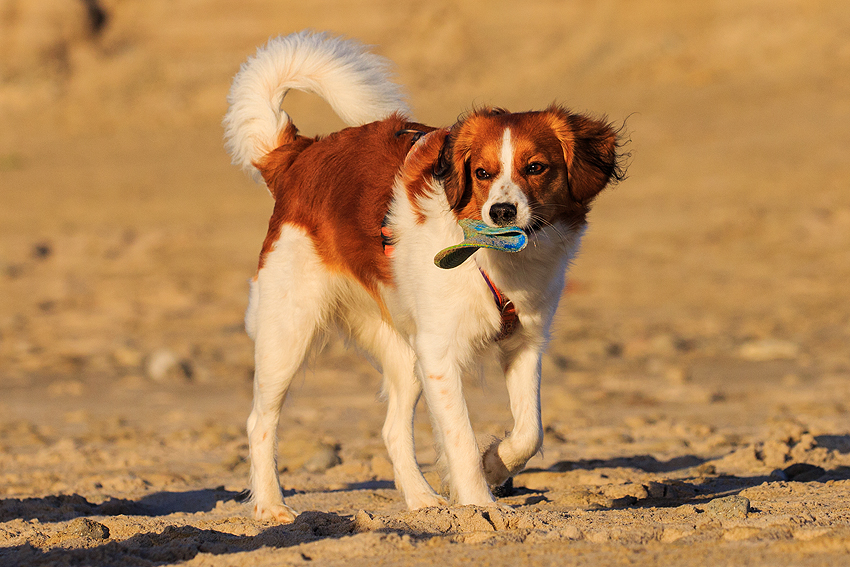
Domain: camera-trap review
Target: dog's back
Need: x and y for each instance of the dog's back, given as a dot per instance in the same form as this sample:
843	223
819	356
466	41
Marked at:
341	204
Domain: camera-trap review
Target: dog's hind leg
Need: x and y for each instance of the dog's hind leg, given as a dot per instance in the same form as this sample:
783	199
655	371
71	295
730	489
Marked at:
286	308
403	390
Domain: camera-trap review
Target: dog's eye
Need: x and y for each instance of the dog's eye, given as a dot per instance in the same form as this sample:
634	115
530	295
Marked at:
536	168
482	174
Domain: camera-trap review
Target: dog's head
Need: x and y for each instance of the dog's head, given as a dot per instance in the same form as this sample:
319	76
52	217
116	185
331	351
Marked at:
530	169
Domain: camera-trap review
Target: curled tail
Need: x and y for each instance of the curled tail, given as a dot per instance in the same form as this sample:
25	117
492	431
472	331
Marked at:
353	81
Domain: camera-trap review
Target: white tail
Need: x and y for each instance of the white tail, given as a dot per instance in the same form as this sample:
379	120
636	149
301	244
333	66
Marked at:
353	81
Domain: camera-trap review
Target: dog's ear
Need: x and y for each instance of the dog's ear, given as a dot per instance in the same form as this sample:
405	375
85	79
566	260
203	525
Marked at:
423	160
454	164
590	152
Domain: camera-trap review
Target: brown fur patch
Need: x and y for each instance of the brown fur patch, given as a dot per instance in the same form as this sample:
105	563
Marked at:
419	168
338	189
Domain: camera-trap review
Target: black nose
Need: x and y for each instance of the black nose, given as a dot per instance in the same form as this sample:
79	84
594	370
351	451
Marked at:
503	213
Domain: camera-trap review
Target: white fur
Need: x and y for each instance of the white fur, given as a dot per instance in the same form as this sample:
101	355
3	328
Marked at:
504	189
284	314
442	320
353	81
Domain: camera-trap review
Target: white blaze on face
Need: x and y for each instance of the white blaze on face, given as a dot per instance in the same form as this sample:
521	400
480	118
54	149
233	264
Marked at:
507	155
504	189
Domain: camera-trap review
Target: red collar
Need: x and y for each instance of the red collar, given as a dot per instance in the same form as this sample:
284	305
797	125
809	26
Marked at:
510	319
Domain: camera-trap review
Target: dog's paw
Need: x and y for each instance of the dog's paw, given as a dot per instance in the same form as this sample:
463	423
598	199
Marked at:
277	512
495	471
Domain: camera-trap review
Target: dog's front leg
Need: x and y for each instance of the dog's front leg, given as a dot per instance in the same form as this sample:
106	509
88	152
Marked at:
441	383
505	458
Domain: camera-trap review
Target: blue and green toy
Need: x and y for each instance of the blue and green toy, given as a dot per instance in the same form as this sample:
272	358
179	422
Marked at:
477	234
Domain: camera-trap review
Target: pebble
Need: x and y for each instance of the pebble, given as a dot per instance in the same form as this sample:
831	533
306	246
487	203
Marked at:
326	457
163	365
778	474
84	527
728	508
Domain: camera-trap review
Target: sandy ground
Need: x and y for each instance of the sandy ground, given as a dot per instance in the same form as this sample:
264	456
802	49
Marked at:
697	389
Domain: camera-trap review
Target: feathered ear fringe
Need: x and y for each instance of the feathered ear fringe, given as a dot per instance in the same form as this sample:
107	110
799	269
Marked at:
423	161
591	151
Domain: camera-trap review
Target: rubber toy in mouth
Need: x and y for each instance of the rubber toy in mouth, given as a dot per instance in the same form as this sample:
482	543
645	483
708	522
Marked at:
477	234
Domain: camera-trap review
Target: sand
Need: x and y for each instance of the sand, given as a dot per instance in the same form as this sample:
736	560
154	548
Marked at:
696	393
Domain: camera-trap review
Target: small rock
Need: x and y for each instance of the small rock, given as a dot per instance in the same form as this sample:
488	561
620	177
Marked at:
803	472
163	364
84	527
326	457
778	474
728	508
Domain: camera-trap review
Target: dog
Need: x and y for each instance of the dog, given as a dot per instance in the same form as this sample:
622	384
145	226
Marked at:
358	218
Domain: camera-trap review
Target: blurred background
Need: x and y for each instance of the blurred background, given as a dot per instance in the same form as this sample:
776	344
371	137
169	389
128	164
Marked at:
702	346
127	238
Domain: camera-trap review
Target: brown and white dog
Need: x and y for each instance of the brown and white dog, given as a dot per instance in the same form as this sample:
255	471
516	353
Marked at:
324	264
